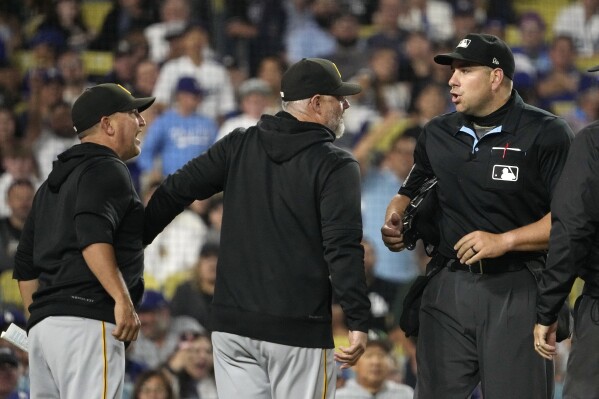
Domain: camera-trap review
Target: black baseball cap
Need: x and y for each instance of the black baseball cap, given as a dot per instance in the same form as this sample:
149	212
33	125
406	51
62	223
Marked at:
487	50
312	76
7	356
103	100
594	69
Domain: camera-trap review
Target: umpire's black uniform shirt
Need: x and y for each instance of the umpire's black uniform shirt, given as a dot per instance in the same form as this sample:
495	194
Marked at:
497	183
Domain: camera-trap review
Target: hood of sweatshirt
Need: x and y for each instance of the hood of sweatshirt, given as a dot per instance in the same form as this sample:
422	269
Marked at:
283	136
73	157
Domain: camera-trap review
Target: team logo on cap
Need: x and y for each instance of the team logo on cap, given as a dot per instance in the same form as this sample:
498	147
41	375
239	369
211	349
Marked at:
495	61
464	43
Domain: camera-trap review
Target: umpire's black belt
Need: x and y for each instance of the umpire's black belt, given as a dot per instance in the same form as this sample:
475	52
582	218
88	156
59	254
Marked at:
488	266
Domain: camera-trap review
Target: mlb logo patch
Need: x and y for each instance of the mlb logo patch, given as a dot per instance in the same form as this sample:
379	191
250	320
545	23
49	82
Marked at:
464	43
505	173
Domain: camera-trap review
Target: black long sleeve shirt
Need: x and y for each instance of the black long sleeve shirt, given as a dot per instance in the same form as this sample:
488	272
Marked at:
574	242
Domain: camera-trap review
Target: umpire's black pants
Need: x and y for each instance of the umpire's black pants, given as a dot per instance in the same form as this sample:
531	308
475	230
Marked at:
480	328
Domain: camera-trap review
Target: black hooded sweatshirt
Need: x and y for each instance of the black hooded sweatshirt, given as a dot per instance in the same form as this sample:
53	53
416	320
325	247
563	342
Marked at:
88	198
291	230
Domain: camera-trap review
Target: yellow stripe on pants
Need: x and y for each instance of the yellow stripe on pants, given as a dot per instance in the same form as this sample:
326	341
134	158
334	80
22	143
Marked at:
105	356
324	392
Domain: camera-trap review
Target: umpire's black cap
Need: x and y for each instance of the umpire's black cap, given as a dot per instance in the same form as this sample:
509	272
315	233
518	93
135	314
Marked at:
312	76
483	49
103	100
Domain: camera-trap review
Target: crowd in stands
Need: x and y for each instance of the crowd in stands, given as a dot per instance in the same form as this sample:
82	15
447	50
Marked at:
215	66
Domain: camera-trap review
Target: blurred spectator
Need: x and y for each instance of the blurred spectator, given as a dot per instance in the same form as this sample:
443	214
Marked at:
308	33
46	91
139	45
532	29
380	179
10	81
18	163
19	198
271	71
65	19
254	95
192	366
180	133
8	129
254	30
219	98
383	89
531	57
372	372
418	68
176	248
9	314
45	45
464	19
123	67
160	333
57	135
500	10
382	293
557	89
580	21
350	48
9	375
388	32
124	17
176	45
153	384
10	27
146	75
75	79
174	15
494	27
194	296
586	109
431	101
214	216
431	17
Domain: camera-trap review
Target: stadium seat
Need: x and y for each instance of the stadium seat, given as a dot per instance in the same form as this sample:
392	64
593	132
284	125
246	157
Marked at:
94	12
9	289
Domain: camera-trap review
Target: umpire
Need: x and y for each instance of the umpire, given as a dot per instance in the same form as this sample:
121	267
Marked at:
79	262
574	252
497	161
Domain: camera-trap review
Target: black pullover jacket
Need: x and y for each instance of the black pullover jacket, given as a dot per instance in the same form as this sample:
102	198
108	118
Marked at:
291	230
88	198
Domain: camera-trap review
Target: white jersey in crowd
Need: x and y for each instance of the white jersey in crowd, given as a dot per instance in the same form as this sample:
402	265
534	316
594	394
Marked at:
218	98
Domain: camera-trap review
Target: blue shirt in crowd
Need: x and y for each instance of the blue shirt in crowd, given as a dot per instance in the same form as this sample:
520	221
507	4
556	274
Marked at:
176	139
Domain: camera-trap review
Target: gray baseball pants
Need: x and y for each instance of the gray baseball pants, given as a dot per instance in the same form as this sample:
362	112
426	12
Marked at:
246	368
74	358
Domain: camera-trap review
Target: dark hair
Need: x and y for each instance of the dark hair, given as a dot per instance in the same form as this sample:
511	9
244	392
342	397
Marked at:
209	249
146	375
19	183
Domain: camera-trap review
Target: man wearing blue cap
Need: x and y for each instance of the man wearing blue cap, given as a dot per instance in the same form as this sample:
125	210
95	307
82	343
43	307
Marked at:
179	134
574	252
290	235
79	262
497	161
